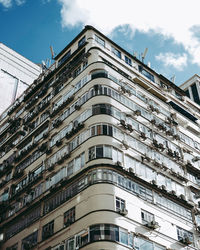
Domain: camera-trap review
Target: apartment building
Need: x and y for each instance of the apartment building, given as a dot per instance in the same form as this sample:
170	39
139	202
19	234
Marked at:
101	152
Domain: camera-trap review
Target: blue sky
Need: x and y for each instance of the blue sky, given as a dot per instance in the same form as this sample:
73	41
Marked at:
171	33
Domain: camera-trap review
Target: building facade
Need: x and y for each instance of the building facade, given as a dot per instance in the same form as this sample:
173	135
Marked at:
192	88
16	74
101	152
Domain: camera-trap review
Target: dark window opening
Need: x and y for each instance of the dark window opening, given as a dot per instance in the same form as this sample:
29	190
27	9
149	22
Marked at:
81	42
183	112
146	73
195	93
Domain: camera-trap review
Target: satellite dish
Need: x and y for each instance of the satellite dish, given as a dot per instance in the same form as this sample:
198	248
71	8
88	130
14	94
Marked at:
135	54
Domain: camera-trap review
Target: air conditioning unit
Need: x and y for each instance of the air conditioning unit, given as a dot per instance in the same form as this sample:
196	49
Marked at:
152	224
196	158
153	182
123	211
143	136
161	146
119	163
131	170
186	241
129	127
123	123
163	187
153	121
173	192
146	158
156	163
137	112
164	87
176	136
182	197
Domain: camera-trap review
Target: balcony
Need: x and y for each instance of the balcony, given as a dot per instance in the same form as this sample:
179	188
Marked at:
42	92
60	107
75	130
31	103
18	174
57	123
43	147
48	151
25	152
43	106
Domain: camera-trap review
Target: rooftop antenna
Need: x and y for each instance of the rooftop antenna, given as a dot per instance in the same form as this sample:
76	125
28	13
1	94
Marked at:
173	78
52	52
44	66
135	54
144	54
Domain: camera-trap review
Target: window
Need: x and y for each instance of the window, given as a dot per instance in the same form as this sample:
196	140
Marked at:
64	58
146	73
39	135
85	64
104	232
100	40
19	225
30	241
81	239
173	207
102	151
99	73
197	220
116	52
13	247
69	217
120	204
70	244
77	71
183	111
102	109
128	61
59	247
8	176
184	236
187	93
110	232
101	129
195	93
146	217
81	42
143	244
48	230
95	233
44	116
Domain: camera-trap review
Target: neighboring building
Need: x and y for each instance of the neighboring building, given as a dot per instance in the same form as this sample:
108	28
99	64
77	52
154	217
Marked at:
16	74
101	152
192	88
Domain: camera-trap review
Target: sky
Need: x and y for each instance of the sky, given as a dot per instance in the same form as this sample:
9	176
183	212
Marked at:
169	29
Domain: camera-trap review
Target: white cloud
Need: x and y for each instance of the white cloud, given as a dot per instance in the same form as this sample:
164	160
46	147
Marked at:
6	3
173	19
20	2
170	59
